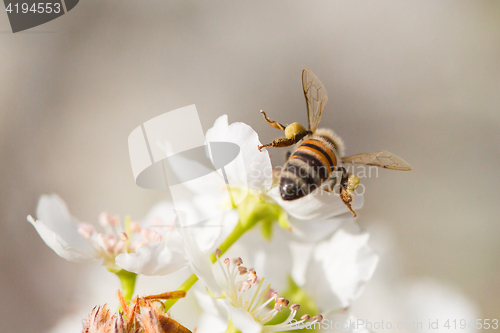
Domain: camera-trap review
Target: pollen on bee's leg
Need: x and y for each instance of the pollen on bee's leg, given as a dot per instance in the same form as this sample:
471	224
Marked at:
293	130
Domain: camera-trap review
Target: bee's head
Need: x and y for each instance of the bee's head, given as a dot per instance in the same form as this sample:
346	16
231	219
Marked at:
294	129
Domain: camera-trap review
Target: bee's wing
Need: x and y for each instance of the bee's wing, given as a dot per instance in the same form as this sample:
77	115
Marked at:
382	159
316	97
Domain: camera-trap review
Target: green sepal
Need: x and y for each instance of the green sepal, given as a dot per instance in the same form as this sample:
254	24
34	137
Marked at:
257	209
283	221
266	231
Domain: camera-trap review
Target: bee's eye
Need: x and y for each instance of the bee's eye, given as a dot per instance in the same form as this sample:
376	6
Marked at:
289	189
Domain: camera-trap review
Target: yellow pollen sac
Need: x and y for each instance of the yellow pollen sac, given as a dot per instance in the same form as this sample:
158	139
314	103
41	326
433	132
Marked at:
352	183
293	129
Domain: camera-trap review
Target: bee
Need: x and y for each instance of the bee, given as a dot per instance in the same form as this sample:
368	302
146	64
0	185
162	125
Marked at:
317	161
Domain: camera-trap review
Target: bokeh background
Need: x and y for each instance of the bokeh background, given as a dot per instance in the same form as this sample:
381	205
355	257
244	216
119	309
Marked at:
417	78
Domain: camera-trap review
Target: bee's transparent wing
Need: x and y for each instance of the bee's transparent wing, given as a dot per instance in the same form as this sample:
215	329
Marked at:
382	159
316	97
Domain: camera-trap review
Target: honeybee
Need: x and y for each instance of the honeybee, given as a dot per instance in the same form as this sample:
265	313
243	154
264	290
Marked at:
319	157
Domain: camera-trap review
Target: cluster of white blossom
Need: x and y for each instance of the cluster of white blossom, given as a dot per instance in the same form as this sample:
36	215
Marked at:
299	262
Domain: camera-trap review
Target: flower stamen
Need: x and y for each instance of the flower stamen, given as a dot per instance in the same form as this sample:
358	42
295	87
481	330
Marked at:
256	301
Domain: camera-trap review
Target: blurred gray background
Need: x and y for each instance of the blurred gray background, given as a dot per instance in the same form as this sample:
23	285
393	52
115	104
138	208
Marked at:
417	78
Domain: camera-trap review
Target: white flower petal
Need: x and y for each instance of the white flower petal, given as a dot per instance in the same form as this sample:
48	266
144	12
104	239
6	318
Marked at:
218	312
170	255
161	214
198	261
301	254
205	233
215	316
59	246
316	205
270	259
54	214
340	268
244	321
182	170
258	172
210	305
160	258
428	298
209	324
317	230
208	233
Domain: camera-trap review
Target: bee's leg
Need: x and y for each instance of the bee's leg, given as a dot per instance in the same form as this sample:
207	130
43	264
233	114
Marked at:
348	183
273	123
280	143
287	156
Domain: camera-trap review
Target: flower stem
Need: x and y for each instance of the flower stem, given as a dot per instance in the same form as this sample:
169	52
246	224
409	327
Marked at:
237	232
186	285
127	280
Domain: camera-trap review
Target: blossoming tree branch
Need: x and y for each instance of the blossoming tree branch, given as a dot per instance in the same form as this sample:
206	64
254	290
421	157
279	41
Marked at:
299	255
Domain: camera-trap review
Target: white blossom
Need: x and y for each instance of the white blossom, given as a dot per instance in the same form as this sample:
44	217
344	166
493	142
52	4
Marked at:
332	273
153	247
248	303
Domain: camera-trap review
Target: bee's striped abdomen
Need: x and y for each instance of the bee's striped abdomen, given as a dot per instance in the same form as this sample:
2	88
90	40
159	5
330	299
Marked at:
319	150
308	167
